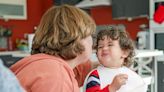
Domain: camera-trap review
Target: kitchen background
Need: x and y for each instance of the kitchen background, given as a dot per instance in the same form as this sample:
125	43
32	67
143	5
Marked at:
143	19
36	8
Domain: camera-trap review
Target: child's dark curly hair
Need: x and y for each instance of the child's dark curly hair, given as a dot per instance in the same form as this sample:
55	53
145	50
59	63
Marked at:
124	39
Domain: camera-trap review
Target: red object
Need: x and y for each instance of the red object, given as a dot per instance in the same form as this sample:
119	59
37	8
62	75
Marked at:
159	14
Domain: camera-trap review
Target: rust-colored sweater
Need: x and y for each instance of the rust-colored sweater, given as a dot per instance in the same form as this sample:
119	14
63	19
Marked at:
45	73
81	72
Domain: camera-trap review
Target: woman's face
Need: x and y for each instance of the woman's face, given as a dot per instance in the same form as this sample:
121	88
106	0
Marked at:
87	42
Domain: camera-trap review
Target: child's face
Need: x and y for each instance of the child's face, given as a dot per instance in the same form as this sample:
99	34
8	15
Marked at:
109	53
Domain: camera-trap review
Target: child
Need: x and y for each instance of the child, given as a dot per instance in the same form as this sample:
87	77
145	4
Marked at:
115	52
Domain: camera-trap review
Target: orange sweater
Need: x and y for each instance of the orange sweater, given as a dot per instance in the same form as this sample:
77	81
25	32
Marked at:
45	73
81	72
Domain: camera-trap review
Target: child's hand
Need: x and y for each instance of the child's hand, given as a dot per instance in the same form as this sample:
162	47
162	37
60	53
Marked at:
118	81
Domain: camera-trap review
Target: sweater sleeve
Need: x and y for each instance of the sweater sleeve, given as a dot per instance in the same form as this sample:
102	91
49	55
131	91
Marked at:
93	83
81	72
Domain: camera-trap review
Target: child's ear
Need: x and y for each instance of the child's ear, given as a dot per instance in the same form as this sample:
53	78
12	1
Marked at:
125	53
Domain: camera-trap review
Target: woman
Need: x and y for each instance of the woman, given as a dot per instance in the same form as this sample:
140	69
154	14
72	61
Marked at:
62	41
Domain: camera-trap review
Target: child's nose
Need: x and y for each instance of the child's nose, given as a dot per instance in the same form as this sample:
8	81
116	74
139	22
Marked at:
105	48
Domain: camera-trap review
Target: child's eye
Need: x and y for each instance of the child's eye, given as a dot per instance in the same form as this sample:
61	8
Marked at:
110	44
100	47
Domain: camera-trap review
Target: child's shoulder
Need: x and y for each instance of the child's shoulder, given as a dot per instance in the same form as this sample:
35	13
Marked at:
94	73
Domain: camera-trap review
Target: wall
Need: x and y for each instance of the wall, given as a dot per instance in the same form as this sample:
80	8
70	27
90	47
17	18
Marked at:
103	15
35	9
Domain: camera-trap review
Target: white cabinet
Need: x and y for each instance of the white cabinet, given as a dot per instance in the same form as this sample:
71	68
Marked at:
155	28
13	9
156	42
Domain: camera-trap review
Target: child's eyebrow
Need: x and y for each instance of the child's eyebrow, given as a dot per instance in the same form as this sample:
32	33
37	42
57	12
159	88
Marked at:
100	43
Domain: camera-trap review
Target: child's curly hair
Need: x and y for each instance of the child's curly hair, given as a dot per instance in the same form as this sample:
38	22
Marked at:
124	39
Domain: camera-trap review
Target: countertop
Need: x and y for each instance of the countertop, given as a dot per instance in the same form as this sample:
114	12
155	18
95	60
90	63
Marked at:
139	53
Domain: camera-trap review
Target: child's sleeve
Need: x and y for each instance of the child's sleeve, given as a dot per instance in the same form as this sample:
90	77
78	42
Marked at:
93	83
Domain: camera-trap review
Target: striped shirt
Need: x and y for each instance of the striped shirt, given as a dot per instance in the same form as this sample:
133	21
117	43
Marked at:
93	83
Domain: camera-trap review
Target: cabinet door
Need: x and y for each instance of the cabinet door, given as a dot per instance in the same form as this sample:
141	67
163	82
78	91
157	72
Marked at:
71	2
13	9
160	76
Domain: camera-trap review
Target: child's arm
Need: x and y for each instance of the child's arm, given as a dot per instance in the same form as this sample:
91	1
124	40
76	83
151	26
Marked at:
93	83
